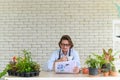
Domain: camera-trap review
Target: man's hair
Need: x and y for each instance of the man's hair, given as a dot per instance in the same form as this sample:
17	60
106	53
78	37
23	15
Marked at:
66	37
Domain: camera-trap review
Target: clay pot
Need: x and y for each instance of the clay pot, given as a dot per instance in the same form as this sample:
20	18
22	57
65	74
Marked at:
105	74
113	73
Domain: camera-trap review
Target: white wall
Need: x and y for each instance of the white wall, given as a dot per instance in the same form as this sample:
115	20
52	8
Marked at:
38	25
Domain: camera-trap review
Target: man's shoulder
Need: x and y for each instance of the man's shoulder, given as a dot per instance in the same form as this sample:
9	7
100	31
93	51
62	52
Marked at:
56	51
72	49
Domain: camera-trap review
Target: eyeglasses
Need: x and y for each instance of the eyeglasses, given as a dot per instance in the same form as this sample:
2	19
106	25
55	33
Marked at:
67	45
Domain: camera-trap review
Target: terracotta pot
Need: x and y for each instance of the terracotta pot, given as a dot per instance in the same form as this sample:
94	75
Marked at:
105	74
113	73
85	70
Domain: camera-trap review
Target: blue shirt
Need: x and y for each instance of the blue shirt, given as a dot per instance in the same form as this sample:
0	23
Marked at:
55	56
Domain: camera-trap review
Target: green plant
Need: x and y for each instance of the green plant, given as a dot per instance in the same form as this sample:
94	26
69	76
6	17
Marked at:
106	67
5	71
117	7
101	59
105	70
113	68
109	56
92	61
25	64
119	70
9	66
21	64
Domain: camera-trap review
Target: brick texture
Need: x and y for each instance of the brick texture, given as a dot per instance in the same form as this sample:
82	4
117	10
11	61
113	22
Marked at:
37	25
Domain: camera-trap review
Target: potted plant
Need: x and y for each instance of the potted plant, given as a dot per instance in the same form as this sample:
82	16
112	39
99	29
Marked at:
106	69
22	66
85	70
113	71
102	61
93	64
109	64
105	72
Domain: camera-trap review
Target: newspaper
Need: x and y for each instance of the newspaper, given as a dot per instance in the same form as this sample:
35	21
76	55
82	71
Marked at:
65	67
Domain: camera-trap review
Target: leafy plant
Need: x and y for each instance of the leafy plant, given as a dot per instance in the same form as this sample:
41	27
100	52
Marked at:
109	56
101	59
106	67
9	66
21	64
26	64
92	61
117	7
119	70
5	71
113	68
105	70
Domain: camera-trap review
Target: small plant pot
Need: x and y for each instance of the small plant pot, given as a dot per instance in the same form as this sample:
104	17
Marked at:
37	73
93	71
9	72
85	70
105	74
15	73
18	74
32	74
24	74
28	74
113	73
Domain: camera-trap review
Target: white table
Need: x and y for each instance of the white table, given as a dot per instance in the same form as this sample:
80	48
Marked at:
54	76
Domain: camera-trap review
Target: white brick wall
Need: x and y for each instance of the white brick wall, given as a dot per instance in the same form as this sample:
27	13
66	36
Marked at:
37	25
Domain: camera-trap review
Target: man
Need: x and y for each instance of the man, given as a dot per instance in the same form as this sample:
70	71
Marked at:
65	52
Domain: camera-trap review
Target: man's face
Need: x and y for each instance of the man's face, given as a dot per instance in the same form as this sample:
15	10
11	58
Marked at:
65	45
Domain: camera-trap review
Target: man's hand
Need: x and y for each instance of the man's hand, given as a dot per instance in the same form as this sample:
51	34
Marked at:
63	58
